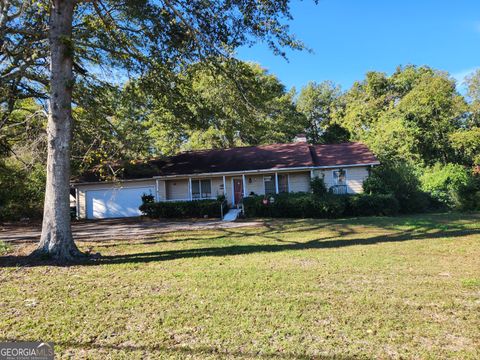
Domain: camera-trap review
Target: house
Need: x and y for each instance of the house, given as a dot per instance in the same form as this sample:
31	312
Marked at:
234	172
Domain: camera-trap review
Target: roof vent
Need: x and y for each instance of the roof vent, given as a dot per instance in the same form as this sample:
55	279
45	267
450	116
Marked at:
300	138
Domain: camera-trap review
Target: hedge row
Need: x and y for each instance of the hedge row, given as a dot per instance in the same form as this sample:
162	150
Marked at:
182	209
306	205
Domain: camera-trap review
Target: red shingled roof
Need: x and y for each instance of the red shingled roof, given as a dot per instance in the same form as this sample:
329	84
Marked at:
353	153
264	157
276	156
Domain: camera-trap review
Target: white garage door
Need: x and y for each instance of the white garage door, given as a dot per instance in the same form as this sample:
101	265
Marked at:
115	203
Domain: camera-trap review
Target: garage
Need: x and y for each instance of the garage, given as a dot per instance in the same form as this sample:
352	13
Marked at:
116	202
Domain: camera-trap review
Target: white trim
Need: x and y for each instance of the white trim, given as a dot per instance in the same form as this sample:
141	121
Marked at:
276	183
345	166
77	203
157	190
288	183
190	188
224	187
240	172
244	184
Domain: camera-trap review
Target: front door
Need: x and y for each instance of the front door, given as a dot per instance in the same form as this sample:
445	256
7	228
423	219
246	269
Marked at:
237	190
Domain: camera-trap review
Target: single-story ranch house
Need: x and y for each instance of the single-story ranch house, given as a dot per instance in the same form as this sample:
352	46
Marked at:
234	173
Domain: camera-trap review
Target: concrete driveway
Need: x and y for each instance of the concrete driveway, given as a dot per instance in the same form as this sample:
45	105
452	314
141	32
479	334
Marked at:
121	229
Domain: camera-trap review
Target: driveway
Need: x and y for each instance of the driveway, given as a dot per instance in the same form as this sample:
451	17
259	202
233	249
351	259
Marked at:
117	229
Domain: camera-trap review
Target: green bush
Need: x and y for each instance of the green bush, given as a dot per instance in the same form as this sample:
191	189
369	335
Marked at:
372	204
182	209
318	186
443	183
469	194
401	181
21	191
303	205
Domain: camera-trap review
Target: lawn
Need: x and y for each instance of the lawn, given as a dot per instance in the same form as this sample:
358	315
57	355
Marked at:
405	287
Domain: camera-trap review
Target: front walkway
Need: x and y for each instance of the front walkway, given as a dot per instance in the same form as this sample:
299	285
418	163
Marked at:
117	229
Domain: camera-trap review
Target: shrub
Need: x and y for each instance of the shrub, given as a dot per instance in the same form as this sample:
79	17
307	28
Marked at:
303	205
469	194
443	183
21	191
401	181
182	209
372	204
318	186
148	199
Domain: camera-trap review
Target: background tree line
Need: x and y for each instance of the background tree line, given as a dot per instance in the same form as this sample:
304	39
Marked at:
422	129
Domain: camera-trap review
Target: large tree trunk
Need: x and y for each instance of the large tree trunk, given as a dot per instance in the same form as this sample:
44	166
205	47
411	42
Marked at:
56	240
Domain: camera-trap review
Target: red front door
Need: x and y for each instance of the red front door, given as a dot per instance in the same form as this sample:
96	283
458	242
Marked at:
237	190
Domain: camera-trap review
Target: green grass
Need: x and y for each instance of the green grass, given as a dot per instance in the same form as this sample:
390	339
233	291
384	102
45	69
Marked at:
4	248
406	287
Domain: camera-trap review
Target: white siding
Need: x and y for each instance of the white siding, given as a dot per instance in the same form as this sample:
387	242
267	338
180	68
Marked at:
355	178
177	189
299	182
162	190
255	184
217	185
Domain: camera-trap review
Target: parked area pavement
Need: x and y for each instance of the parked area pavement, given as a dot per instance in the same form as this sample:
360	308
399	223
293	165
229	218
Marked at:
113	229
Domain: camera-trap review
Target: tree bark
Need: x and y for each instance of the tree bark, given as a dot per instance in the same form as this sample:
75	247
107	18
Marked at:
56	241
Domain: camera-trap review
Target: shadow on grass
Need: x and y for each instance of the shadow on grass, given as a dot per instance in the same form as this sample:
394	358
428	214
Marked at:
191	351
335	241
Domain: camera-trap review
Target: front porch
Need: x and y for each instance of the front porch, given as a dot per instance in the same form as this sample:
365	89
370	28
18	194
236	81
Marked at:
234	187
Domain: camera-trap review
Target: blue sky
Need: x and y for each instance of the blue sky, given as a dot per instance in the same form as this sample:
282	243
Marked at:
351	37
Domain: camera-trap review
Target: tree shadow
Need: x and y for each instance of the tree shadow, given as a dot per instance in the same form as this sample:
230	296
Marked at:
192	351
334	241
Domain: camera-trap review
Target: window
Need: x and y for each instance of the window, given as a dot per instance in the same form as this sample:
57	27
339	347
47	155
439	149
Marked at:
201	189
269	182
339	177
282	183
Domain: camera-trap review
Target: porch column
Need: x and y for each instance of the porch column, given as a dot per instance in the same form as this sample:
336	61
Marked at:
190	188
311	174
244	186
224	187
77	203
157	191
276	183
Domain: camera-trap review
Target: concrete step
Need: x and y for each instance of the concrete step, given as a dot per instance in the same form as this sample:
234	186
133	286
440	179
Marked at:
232	215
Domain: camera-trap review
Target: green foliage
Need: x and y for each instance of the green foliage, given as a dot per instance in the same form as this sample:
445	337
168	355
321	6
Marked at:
407	116
303	205
318	102
148	199
467	144
401	181
469	194
318	186
4	247
182	209
21	191
372	204
444	181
